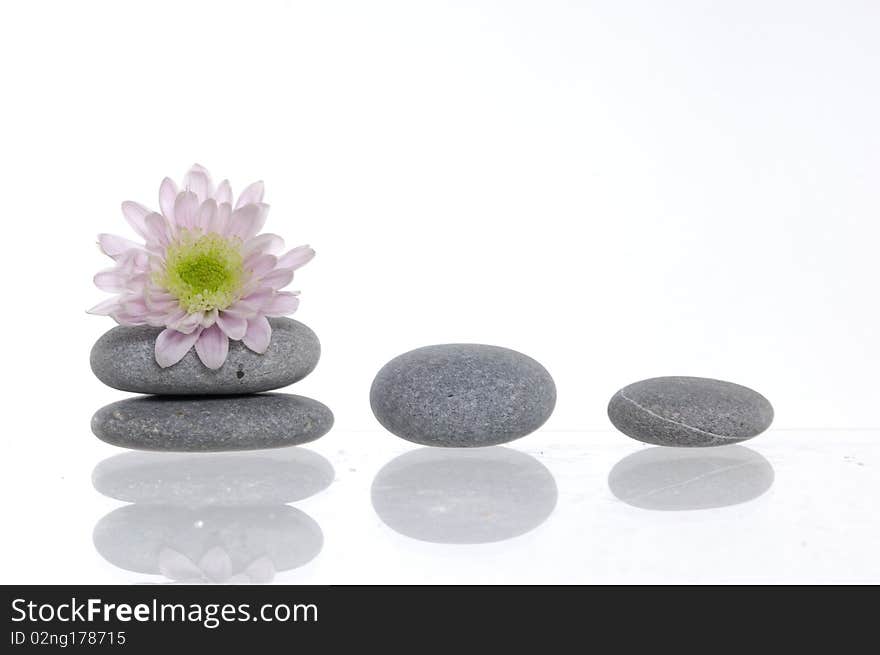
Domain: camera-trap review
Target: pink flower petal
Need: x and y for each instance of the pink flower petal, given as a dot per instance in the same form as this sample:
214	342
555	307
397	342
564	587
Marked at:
186	207
206	214
260	265
112	280
247	221
262	244
296	258
281	304
233	326
105	307
212	347
210	318
171	346
167	196
242	309
277	279
220	222
188	323
158	230
252	194
223	193
113	246
198	180
135	214
258	335
177	566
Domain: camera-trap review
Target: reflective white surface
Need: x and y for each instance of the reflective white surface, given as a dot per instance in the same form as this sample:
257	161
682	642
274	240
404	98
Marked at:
366	507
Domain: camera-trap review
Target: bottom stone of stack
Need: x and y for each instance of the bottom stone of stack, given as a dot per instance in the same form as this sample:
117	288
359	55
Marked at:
212	423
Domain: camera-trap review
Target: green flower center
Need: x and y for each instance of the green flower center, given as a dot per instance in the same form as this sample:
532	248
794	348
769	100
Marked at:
203	272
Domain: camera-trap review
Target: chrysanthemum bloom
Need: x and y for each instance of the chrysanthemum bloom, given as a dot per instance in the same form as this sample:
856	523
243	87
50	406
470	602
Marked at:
204	274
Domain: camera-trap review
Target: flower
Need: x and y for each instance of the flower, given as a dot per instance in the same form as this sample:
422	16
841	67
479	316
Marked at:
204	273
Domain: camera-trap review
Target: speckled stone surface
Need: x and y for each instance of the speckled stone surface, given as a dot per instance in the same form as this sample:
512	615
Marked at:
674	479
211	544
212	424
260	477
687	411
124	358
462	395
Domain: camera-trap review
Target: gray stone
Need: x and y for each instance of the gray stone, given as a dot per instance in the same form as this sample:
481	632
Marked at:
457	496
260	477
212	423
672	479
462	395
124	358
209	544
685	411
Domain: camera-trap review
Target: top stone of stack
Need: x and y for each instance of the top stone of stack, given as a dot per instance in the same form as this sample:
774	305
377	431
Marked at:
124	358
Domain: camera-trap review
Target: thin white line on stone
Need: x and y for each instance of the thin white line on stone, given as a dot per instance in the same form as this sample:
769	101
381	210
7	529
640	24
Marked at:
679	424
708	474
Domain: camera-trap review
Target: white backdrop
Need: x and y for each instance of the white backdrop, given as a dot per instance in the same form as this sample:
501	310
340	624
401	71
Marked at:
618	189
621	190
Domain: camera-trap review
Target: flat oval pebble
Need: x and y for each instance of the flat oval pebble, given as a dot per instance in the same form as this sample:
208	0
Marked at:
457	496
686	411
260	477
212	424
462	395
674	479
124	358
209	544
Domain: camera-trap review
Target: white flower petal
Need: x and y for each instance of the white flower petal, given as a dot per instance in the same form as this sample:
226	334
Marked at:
198	180
296	258
186	208
252	194
167	196
112	280
247	221
220	222
114	246
260	265
282	303
277	279
223	193
262	244
105	307
135	214
206	214
158	230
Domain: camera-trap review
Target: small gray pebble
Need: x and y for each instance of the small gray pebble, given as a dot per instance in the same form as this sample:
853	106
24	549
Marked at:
686	411
261	477
462	395
213	423
124	358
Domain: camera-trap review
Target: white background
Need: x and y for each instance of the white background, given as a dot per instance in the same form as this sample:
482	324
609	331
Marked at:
619	189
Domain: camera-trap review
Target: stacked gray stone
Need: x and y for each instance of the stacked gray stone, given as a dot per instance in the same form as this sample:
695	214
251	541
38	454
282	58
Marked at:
194	408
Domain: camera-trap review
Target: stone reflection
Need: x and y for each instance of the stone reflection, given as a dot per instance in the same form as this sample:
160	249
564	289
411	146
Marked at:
687	479
218	518
470	496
